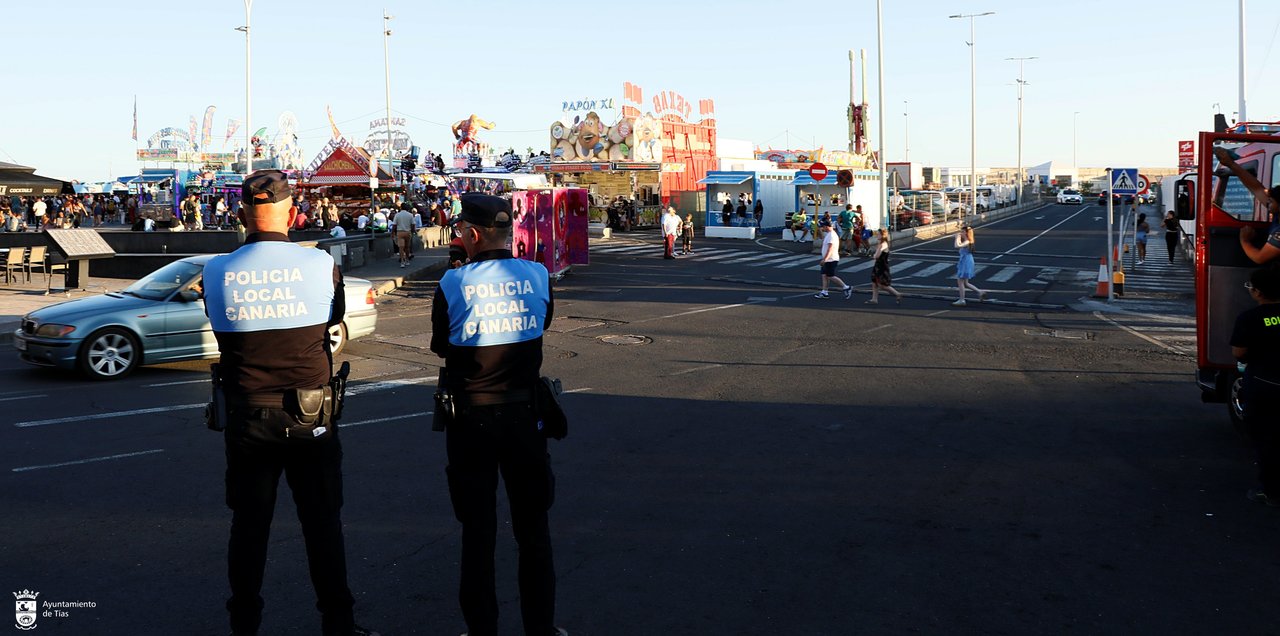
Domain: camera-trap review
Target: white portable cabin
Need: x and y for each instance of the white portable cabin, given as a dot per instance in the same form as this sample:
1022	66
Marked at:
771	187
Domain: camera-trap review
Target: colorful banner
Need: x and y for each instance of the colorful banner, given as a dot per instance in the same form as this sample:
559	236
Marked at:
206	131
1186	155
218	157
166	154
191	132
232	126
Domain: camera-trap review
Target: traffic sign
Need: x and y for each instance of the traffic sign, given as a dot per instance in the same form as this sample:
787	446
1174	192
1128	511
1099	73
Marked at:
1124	181
1144	184
818	171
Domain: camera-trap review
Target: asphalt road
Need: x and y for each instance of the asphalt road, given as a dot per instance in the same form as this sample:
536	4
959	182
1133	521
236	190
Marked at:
743	459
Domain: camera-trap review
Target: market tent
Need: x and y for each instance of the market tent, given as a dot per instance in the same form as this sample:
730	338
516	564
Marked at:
21	183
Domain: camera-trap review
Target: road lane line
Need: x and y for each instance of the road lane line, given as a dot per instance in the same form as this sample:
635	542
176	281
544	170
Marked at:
752	258
406	416
877	328
932	269
774	262
1004	275
1098	315
937	313
88	461
352	391
1007	252
696	369
23	397
582	390
147	386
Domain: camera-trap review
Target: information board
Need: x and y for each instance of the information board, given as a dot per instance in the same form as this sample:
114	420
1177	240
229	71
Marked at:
74	244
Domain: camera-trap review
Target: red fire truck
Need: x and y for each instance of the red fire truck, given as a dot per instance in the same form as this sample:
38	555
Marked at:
1221	206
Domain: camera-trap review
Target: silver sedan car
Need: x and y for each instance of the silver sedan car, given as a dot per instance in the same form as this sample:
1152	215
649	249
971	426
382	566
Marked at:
158	319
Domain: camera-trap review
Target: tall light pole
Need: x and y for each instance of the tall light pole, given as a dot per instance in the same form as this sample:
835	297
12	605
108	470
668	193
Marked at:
1243	87
973	109
906	133
884	198
1021	83
1075	119
386	68
248	91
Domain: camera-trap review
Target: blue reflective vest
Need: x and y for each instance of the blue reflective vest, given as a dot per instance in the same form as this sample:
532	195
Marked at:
269	285
496	302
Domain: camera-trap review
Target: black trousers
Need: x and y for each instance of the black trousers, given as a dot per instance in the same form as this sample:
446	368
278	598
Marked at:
257	453
1262	419
482	442
1171	243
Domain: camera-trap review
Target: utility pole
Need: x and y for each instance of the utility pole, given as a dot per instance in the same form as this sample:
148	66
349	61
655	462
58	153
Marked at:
973	110
248	92
1021	83
386	68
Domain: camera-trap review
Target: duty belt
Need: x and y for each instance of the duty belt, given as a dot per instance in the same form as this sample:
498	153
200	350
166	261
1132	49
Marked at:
491	399
257	400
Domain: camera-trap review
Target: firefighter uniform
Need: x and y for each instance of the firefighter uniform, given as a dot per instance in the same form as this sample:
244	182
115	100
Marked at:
270	304
488	319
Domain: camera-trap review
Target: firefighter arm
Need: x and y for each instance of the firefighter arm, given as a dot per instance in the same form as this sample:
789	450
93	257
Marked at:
1249	181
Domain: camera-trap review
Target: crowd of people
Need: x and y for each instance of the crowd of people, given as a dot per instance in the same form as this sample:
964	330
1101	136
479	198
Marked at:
67	211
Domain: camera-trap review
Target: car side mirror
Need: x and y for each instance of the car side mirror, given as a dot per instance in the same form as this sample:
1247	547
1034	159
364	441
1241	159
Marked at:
188	296
1183	206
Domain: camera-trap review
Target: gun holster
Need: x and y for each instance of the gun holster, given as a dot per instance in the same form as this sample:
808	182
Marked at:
445	408
215	412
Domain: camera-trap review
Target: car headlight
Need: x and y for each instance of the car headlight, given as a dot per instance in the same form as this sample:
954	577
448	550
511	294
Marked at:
52	330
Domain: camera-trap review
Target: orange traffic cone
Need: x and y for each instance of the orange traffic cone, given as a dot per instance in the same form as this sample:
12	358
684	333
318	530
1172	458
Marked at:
1103	283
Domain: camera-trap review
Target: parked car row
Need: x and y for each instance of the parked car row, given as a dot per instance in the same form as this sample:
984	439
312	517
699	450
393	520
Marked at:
160	318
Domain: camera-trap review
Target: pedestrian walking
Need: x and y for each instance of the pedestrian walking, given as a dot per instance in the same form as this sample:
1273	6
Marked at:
1140	231
670	227
404	235
686	232
274	378
758	212
846	229
1172	234
881	277
491	369
830	260
965	266
1255	341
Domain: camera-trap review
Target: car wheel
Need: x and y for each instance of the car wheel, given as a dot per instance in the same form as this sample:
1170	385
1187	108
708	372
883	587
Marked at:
110	354
1235	408
337	338
914	222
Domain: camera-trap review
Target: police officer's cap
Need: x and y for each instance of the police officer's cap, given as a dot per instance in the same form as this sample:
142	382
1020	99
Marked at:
266	186
486	210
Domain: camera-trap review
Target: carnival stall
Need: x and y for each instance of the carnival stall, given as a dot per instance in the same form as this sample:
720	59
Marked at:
550	227
773	188
160	191
341	172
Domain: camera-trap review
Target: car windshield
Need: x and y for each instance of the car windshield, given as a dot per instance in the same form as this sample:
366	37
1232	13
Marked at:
159	284
1070	192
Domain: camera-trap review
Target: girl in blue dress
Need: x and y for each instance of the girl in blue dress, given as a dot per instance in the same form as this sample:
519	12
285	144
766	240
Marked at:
964	269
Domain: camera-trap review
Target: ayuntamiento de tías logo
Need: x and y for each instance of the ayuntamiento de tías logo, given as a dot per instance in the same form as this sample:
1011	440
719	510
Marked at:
25	611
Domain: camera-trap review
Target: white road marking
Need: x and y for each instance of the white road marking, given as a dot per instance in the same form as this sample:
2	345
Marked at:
88	461
22	397
937	313
582	390
877	328
752	258
695	369
352	390
797	260
147	386
406	416
730	254
859	267
1100	316
1051	228
933	269
691	312
1004	275
762	299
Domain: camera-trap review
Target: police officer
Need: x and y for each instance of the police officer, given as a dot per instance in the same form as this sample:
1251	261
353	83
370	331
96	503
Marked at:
487	321
270	303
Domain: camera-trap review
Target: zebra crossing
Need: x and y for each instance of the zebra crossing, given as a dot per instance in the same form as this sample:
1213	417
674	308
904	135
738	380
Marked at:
1157	275
913	270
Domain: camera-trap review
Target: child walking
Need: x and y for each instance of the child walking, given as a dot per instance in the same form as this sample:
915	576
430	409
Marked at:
686	234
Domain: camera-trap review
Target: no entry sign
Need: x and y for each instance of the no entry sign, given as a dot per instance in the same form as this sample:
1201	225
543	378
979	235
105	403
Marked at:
818	171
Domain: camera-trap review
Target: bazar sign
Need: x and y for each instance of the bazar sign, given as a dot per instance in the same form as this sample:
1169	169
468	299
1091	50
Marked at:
382	123
671	103
587	104
166	154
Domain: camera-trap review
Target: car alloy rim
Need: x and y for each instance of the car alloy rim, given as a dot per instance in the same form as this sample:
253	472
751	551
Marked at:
335	337
110	354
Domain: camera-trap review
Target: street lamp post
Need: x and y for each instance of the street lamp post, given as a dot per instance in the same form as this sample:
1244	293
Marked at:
973	110
386	68
1075	119
906	133
1021	83
248	91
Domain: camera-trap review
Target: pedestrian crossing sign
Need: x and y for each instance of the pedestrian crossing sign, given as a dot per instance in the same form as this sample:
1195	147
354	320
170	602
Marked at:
1124	181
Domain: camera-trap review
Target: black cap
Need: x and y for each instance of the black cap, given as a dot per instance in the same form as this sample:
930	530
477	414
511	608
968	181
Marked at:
485	210
266	186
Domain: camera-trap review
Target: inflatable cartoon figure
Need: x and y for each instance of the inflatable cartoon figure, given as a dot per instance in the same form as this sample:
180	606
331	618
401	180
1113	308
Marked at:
589	137
562	142
466	132
620	140
648	139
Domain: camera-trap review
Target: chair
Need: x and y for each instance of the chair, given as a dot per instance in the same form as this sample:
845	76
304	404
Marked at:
55	264
36	258
13	263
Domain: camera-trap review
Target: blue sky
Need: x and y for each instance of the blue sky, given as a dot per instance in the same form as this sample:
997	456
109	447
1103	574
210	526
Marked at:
1142	74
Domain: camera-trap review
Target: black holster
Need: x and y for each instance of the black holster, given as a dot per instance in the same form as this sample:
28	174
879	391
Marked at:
215	412
445	409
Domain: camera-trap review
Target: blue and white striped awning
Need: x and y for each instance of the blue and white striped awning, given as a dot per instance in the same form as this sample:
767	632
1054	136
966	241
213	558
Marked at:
729	178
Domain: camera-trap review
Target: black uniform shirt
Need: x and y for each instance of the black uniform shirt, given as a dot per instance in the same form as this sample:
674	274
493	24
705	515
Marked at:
1258	330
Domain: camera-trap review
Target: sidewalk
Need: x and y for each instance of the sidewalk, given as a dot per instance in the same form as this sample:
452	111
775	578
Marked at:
21	298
